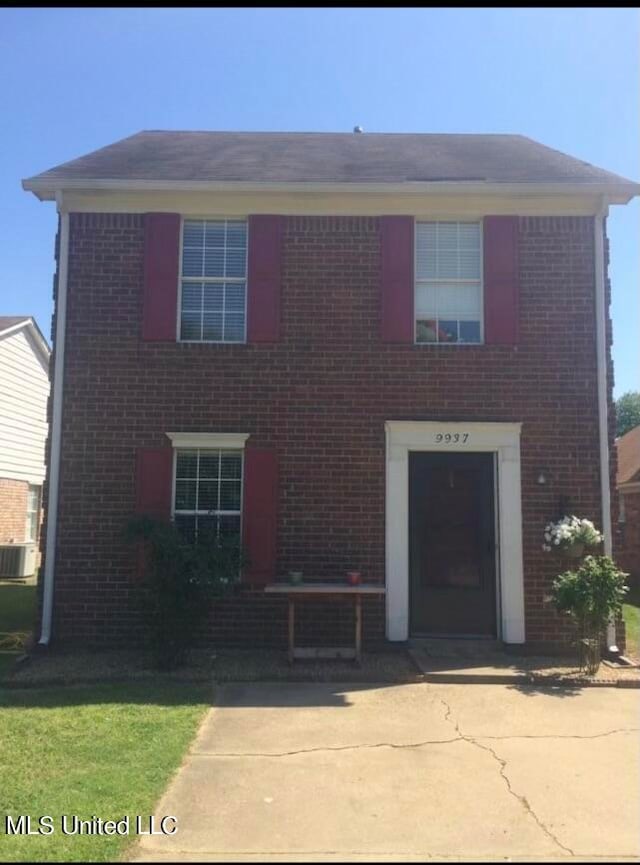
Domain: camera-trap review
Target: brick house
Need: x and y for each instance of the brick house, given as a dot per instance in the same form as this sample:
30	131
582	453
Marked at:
373	351
24	391
628	483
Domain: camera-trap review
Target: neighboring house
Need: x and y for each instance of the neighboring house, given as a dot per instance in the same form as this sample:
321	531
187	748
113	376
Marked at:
24	391
628	483
381	352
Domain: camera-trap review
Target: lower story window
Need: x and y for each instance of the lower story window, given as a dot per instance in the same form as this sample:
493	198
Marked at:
33	513
208	492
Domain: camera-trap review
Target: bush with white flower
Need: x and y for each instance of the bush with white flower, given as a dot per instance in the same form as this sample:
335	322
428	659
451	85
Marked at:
569	532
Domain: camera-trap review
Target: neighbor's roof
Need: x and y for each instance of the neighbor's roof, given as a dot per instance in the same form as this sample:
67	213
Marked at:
311	157
12	323
628	447
9	321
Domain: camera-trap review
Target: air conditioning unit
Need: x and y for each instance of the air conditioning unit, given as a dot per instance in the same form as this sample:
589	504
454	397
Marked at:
17	560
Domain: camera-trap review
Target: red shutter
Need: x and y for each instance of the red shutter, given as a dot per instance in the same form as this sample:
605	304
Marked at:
154	482
501	279
264	277
260	498
161	271
397	242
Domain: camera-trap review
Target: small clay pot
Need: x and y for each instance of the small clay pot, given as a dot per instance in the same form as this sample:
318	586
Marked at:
295	577
354	578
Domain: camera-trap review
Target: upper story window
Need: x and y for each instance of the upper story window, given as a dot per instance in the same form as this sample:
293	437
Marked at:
213	298
448	298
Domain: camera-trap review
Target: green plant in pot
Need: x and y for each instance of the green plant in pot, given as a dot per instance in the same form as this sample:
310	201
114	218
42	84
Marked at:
182	577
590	595
571	535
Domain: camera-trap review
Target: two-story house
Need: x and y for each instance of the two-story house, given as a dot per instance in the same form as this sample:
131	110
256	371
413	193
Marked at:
385	352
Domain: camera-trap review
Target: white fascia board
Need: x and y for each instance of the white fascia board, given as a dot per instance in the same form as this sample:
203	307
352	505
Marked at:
46	189
207	440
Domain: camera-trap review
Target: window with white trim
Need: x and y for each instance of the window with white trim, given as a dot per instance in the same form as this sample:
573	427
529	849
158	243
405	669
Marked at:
448	289
208	492
33	513
213	284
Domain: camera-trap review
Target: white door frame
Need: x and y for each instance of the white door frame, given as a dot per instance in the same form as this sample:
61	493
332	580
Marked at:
503	439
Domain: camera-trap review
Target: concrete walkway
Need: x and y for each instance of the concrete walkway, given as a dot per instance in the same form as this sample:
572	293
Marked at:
323	772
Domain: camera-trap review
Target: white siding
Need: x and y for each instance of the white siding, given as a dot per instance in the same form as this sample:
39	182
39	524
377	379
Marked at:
24	388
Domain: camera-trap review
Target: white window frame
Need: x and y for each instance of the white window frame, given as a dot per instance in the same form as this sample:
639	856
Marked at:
207	441
189	218
454	219
30	512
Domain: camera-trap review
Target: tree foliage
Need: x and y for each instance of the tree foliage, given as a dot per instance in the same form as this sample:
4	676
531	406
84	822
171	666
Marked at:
627	412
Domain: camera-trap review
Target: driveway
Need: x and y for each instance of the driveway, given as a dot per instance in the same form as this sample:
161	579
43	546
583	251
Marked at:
318	772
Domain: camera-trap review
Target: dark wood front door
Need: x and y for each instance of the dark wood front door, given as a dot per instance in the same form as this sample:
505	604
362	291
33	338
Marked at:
452	544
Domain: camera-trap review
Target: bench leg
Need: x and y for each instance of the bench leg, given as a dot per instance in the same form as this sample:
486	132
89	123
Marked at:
358	628
292	628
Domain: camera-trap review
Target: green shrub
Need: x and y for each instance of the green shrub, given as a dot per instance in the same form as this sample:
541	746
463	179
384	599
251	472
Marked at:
590	595
182	578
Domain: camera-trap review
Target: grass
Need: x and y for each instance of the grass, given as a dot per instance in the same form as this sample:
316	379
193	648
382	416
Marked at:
106	750
631	615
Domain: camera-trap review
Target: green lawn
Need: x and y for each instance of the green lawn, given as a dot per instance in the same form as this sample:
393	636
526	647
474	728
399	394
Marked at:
107	751
631	613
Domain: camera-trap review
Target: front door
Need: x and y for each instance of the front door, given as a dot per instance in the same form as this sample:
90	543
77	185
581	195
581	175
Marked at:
452	544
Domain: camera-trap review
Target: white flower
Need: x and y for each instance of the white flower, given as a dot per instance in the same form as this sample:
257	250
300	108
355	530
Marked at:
571	529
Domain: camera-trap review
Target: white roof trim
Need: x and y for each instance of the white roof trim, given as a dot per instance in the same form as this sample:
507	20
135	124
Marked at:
46	188
208	440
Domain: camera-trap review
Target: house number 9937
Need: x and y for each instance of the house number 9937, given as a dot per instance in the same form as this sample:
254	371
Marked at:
451	438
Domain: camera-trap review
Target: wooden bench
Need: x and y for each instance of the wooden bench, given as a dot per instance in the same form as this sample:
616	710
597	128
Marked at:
308	592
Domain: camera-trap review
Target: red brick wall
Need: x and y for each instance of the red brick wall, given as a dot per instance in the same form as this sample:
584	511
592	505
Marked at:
13	510
629	546
320	397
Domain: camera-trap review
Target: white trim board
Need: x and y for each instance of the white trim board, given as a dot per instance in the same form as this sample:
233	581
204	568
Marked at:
47	188
503	439
207	440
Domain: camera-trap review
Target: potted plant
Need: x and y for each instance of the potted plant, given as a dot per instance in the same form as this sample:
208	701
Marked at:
354	578
590	595
295	577
571	535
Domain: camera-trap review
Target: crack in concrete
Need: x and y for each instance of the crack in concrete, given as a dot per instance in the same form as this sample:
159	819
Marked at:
564	735
503	774
460	738
363	745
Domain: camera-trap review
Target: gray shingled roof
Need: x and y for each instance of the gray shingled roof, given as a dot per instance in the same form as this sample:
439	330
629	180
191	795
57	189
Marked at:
7	321
290	157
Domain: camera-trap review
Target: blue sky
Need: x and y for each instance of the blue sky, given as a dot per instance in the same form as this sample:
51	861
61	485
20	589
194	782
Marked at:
75	80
